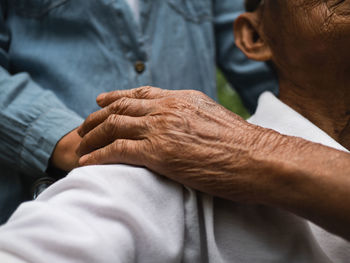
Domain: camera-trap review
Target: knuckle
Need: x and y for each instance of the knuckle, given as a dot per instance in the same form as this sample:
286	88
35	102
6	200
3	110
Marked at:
121	106
112	123
110	120
123	101
144	92
197	93
114	107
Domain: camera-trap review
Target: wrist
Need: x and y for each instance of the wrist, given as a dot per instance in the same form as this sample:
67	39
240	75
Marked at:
290	171
270	170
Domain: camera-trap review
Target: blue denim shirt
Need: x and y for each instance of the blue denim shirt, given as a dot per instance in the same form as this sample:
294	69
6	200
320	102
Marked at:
56	56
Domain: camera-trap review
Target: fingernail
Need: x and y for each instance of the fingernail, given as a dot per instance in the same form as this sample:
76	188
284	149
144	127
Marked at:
101	97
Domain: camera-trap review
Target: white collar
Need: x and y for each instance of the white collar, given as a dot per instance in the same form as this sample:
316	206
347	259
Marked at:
274	114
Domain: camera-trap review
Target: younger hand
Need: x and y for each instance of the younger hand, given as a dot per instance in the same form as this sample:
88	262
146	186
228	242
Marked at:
64	156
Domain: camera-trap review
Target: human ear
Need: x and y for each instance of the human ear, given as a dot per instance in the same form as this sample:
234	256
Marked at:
249	38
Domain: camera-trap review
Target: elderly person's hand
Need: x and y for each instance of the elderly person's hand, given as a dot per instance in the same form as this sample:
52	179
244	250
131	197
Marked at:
181	134
189	138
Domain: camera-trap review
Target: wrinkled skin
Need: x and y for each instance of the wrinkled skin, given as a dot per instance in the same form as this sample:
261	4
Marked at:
182	134
187	137
310	51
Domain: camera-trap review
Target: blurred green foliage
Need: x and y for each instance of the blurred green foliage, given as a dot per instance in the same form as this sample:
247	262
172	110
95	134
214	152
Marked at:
229	98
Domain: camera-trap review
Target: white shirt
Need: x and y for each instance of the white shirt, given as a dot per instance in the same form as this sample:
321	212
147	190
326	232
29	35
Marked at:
135	7
119	213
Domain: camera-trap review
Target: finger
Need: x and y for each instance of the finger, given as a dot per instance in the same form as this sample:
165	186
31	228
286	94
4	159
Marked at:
123	106
115	127
93	120
146	92
119	152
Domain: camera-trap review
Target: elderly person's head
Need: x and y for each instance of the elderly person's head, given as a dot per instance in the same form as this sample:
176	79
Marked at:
308	44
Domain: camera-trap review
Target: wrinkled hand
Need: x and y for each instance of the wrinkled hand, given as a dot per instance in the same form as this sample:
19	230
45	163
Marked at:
183	135
64	156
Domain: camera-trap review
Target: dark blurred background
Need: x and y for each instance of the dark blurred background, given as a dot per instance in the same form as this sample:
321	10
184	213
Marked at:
229	98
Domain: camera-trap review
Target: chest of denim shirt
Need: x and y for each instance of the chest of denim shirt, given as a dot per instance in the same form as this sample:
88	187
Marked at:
80	48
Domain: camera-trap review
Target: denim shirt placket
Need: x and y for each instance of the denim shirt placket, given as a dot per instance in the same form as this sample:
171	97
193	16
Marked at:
133	41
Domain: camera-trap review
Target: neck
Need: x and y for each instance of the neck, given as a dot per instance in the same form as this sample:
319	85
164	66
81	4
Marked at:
328	107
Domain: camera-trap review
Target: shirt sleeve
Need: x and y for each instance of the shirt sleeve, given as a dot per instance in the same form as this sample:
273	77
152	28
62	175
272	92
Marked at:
112	213
248	77
32	119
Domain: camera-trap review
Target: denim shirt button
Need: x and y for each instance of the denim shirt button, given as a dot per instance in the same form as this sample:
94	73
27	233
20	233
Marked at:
140	66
